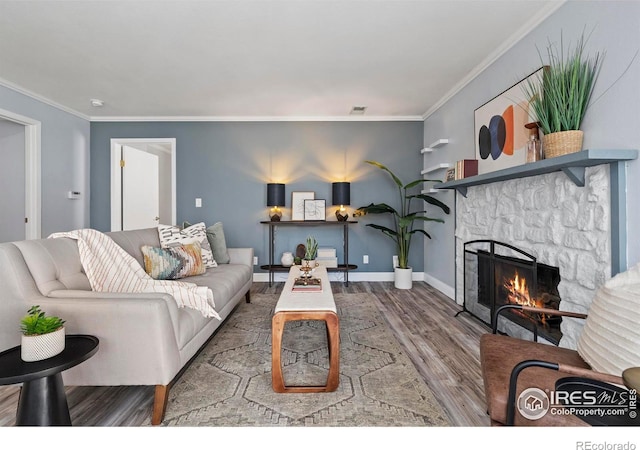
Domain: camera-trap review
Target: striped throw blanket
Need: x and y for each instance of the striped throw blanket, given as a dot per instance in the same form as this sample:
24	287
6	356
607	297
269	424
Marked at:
109	268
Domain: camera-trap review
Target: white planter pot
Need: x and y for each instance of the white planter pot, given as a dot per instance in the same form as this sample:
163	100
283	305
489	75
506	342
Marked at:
43	346
403	278
287	259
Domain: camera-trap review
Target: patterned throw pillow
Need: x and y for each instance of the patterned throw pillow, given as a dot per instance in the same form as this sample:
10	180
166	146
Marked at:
173	263
171	236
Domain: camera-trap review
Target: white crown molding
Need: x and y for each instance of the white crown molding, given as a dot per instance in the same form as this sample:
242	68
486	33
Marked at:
33	95
256	119
509	43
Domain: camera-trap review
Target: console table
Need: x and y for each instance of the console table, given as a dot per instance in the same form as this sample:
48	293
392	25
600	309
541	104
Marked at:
345	268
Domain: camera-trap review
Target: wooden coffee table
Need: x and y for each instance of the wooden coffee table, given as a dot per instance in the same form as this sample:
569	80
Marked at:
306	306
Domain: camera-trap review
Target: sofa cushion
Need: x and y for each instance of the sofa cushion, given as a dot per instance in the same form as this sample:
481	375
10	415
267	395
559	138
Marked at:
173	263
133	240
54	264
225	281
171	236
215	235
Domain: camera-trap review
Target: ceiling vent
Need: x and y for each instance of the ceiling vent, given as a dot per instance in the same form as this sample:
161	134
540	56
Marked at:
358	110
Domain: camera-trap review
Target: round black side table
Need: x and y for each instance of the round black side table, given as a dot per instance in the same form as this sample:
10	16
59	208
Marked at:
43	401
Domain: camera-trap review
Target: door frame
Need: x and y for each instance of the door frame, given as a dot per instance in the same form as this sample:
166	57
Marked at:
32	152
116	187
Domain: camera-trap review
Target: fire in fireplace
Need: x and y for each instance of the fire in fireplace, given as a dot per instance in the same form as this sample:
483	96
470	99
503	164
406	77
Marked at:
497	274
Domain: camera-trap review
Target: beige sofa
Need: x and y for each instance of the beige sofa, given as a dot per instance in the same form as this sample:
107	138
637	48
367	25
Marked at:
145	339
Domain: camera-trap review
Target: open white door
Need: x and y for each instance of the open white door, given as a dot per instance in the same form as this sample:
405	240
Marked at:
143	191
140	189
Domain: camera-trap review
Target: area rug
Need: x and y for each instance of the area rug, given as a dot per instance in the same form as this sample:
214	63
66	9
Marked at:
229	383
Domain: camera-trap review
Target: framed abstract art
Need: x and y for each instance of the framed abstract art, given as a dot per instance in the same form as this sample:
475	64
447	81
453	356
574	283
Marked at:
500	133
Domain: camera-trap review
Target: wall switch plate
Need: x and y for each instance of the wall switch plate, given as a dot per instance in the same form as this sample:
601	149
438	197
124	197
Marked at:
198	203
255	260
395	261
365	259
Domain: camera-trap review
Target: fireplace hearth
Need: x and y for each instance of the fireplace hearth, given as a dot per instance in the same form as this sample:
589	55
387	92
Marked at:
498	274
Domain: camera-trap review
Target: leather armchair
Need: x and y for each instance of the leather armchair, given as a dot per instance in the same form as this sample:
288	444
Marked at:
511	365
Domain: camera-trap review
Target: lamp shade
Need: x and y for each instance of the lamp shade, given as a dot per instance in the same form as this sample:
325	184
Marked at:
275	194
341	193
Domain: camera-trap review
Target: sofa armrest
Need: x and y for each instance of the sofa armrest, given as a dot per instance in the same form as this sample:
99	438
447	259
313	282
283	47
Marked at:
137	332
241	256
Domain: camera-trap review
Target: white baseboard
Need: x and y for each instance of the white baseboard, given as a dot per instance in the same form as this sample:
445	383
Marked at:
439	285
263	277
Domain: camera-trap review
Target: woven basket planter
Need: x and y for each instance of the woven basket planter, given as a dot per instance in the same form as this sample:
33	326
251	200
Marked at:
562	143
42	346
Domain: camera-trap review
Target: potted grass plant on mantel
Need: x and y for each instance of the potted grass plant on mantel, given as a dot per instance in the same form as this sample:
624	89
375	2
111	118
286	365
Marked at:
406	222
559	101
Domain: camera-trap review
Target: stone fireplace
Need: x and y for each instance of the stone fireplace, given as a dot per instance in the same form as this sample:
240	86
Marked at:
498	274
553	219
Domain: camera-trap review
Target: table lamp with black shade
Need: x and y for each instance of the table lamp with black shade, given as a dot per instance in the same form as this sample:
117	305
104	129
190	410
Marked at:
341	196
275	199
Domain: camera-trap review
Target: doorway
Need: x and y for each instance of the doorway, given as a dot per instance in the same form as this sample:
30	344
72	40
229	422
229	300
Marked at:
142	183
20	152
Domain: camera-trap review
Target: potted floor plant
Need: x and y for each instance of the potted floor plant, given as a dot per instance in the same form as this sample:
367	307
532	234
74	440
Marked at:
559	101
406	221
42	336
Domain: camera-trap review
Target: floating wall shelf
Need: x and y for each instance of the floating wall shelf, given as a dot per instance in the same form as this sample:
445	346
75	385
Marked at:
436	167
573	165
436	144
431	191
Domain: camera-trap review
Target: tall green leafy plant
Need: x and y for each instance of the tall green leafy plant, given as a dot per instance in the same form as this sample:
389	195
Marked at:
560	100
406	221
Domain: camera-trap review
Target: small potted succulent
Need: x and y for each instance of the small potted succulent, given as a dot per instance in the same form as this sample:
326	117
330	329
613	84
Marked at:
42	336
311	250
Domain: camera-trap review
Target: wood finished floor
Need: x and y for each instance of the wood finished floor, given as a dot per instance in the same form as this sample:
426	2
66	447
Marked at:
444	349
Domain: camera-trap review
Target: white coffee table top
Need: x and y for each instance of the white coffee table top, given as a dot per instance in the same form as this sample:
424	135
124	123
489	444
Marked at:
306	301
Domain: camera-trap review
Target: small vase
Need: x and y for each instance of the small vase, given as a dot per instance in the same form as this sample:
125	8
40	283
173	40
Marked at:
287	259
42	346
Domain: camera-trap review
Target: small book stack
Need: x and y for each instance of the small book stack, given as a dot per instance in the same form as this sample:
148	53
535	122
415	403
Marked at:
466	168
327	257
307	285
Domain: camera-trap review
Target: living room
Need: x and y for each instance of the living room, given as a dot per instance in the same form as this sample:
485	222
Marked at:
227	159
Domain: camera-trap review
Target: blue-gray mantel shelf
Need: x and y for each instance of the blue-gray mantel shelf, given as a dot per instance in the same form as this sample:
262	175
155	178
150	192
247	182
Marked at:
573	165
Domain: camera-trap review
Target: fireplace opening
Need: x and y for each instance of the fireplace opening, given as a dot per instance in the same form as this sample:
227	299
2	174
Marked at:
498	274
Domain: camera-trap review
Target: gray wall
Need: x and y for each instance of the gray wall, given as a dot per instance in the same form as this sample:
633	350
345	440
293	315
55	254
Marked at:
228	164
64	161
12	181
612	121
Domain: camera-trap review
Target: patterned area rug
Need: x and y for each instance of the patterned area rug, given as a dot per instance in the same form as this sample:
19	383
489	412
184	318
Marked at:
229	384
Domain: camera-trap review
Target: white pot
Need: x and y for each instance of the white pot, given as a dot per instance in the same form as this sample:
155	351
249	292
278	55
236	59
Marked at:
287	259
43	346
403	278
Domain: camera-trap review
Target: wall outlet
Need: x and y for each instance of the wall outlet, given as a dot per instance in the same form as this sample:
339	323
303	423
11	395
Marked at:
365	259
198	203
395	261
255	260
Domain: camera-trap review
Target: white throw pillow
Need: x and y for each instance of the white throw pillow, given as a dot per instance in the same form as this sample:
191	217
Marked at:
171	236
610	339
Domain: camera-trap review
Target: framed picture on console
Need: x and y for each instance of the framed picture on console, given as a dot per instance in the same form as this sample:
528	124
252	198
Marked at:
297	203
314	210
